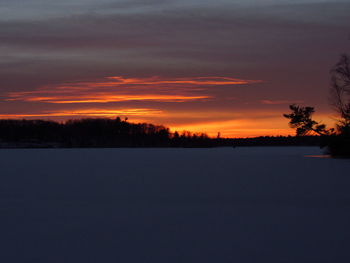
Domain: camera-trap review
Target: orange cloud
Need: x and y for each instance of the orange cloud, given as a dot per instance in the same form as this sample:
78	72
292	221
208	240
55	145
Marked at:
117	89
193	81
89	113
103	98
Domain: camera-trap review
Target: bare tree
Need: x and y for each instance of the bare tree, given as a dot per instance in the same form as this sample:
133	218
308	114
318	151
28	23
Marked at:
340	91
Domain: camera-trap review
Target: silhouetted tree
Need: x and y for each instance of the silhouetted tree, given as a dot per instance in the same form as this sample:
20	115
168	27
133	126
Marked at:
301	120
301	117
340	92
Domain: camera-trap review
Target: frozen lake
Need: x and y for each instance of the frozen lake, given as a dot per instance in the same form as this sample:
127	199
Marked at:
241	205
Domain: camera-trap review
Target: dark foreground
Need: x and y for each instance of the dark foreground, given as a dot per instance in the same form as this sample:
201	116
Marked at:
174	205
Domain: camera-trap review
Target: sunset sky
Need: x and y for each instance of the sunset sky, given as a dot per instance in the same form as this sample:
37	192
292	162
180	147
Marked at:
228	66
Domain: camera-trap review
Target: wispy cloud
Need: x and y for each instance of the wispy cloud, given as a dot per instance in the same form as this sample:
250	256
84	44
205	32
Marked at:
118	89
88	113
280	102
104	98
192	81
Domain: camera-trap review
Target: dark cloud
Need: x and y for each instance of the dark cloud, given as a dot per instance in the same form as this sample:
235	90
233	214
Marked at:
170	28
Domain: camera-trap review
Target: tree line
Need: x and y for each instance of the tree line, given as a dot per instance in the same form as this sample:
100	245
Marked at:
98	132
103	132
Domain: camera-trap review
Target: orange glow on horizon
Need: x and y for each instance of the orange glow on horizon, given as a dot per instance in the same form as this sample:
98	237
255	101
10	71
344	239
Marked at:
242	128
238	128
244	124
248	127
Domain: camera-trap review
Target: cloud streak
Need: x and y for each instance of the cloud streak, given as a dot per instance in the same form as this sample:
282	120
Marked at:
121	89
280	102
88	113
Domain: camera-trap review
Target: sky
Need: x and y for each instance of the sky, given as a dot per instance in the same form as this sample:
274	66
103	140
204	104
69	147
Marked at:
228	66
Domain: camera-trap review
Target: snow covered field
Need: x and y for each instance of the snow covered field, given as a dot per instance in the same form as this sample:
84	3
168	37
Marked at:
269	204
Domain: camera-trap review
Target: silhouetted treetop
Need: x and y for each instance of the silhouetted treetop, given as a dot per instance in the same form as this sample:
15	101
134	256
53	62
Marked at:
301	120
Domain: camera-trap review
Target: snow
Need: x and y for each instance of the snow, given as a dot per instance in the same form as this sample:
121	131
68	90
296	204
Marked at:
253	204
